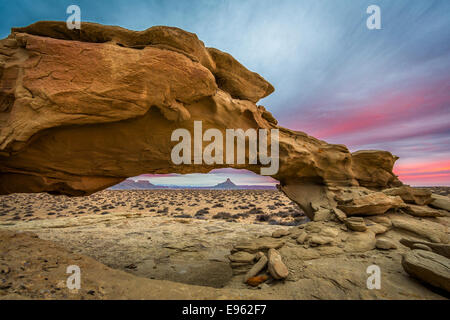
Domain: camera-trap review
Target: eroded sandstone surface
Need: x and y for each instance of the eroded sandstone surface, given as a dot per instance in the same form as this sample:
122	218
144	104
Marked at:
83	110
133	254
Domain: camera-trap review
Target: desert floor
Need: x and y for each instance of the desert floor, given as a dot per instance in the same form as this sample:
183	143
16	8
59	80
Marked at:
172	244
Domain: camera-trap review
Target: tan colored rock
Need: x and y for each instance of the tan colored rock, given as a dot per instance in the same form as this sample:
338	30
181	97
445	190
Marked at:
440	202
432	231
242	257
356	224
422	211
439	248
385	244
280	233
302	238
371	204
276	267
259	244
81	97
360	242
340	214
235	79
383	220
257	267
429	267
417	196
373	168
377	228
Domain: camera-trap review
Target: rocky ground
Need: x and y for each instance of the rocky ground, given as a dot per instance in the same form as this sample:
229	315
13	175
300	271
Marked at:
248	206
140	253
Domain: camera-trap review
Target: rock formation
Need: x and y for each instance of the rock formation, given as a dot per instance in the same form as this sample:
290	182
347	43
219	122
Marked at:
81	110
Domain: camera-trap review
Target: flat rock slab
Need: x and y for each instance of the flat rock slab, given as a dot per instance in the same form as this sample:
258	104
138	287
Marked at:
371	204
411	195
428	229
439	248
429	267
440	202
276	267
259	244
422	211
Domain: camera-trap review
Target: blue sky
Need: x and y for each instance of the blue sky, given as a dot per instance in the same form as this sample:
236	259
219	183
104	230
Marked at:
335	79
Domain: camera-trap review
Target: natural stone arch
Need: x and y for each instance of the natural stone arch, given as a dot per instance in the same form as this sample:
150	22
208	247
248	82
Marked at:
83	110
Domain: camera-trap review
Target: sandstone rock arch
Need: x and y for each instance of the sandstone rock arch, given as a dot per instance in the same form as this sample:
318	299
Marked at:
83	110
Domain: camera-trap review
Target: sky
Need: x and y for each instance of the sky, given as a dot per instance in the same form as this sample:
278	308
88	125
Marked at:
334	78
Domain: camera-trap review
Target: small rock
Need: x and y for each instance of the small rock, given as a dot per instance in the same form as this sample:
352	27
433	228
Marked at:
356	224
320	240
256	281
280	233
340	214
302	237
385	244
242	257
276	267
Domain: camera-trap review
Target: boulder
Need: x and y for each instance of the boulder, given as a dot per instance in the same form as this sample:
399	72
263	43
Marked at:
429	230
439	248
428	267
440	202
371	204
417	196
373	168
360	242
422	211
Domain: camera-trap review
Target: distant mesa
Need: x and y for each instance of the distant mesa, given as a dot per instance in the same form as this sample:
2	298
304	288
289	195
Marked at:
130	184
